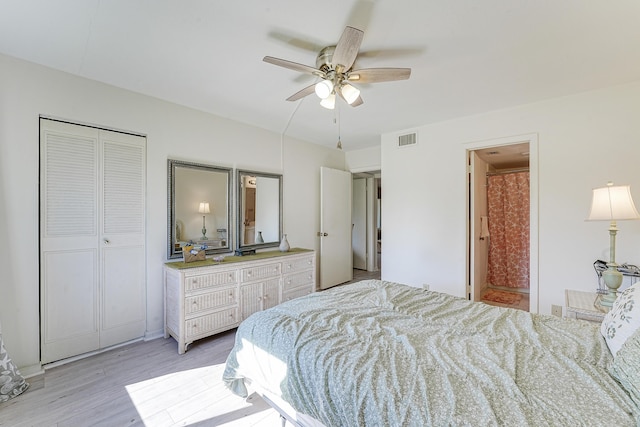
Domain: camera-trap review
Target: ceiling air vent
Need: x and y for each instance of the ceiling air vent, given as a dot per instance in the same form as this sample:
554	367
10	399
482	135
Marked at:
408	140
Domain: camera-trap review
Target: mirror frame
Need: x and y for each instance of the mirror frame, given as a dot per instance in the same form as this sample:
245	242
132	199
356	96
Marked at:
171	219
239	214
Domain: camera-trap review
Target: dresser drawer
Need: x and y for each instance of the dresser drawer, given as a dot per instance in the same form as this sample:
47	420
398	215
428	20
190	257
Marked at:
261	272
205	325
296	280
297	265
210	300
296	293
194	283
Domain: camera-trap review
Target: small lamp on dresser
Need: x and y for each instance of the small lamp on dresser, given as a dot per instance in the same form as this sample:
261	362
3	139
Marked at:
204	209
612	203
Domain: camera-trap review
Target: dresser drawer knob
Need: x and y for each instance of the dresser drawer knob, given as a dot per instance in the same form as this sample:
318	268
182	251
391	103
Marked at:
231	295
288	282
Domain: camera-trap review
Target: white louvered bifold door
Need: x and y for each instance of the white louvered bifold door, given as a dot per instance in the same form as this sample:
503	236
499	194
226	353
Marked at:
122	265
92	239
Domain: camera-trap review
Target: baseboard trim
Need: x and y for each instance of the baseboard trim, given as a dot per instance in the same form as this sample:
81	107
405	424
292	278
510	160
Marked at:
31	370
148	336
89	354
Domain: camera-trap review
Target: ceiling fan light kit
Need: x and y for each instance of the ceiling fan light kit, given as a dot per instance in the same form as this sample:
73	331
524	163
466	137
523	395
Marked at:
329	102
324	88
334	66
349	93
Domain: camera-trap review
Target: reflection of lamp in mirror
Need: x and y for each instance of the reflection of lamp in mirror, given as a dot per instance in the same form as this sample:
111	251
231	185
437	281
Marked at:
612	204
204	209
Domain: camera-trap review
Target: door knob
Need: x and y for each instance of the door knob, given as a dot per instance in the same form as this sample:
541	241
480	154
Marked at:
321	234
106	241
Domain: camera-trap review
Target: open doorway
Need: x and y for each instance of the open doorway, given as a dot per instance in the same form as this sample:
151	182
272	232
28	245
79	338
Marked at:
367	224
502	239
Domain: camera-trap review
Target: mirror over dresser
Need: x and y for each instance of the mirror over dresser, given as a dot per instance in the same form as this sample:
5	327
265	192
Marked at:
199	207
259	209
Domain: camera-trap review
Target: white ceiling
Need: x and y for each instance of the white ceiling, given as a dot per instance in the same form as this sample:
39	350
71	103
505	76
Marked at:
467	56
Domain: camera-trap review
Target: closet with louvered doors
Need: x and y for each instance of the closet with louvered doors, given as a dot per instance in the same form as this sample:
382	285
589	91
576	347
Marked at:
92	239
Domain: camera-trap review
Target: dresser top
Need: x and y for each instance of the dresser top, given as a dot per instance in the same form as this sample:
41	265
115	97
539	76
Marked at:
180	265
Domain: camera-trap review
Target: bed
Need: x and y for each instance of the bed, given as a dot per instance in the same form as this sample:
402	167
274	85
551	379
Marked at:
378	353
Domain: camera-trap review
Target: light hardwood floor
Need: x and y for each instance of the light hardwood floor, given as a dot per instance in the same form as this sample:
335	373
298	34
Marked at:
143	384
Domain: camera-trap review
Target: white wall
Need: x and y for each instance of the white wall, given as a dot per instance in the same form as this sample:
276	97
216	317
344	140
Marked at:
584	141
28	90
302	205
364	160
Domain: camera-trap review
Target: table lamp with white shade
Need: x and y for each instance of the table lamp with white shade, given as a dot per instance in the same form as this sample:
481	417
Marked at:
204	209
612	203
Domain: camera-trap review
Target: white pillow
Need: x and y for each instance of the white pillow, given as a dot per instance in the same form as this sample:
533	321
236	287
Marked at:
623	319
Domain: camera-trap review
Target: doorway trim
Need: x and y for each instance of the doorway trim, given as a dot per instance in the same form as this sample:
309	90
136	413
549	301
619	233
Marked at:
532	139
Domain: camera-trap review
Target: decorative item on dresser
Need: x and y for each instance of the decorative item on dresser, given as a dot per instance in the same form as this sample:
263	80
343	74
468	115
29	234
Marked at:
284	244
204	298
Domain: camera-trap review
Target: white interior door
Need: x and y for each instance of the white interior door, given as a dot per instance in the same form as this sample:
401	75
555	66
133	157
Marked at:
69	241
479	246
336	260
92	261
122	261
359	219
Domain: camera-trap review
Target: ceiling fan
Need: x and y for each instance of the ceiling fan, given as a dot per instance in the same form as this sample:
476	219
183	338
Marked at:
334	66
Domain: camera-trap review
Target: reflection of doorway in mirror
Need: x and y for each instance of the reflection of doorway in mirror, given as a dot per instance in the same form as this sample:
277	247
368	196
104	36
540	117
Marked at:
250	216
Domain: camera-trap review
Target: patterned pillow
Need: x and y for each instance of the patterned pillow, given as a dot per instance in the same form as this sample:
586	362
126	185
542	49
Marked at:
623	319
11	382
626	366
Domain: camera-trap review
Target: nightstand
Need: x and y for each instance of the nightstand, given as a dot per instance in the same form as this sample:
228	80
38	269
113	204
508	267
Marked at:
584	305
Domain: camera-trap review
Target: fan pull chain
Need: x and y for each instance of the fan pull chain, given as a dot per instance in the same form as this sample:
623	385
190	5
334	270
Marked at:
337	113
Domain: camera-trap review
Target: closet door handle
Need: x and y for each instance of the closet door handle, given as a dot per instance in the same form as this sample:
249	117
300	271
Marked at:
106	241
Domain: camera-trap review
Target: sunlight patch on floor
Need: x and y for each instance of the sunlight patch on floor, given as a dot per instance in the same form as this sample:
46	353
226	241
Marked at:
195	396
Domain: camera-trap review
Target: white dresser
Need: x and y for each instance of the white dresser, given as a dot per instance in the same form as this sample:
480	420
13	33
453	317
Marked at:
204	298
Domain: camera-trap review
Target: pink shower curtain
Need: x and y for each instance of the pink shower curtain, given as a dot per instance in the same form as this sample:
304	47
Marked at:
508	202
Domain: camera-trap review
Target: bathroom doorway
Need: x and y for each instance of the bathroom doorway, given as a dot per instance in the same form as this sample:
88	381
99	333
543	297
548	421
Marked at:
502	228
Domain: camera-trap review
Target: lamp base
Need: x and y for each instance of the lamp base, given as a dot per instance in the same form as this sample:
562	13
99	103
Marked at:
613	279
204	234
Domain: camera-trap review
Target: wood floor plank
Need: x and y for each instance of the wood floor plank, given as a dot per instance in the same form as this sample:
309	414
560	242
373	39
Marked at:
143	384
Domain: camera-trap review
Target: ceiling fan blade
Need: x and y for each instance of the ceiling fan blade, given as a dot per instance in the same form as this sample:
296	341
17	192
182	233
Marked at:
376	75
391	53
299	42
302	93
293	66
347	48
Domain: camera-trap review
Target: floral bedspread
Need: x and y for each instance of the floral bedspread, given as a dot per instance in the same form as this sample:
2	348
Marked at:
378	353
